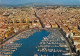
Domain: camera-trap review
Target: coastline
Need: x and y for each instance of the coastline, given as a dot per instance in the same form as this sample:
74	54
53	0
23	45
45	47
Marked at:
38	5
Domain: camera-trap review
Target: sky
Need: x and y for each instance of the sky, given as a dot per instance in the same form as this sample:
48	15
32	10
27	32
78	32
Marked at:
63	2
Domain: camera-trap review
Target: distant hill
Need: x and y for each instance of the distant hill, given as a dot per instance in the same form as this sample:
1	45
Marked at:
36	4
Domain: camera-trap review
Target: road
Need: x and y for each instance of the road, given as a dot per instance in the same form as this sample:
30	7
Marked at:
68	43
39	20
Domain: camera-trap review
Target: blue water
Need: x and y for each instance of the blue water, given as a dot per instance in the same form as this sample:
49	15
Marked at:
28	47
59	2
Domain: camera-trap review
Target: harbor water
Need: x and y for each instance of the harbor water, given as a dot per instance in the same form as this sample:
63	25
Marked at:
28	47
40	43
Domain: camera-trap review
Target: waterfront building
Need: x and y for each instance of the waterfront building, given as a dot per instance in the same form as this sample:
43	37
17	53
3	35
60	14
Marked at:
54	25
76	33
9	33
47	26
77	47
76	40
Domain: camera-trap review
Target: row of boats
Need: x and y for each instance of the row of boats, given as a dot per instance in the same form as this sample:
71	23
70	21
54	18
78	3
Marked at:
11	45
53	45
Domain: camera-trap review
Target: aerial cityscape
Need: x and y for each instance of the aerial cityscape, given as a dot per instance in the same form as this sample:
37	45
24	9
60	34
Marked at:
39	30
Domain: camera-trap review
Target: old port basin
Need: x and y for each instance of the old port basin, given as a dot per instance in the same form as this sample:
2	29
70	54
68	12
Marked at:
49	42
